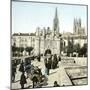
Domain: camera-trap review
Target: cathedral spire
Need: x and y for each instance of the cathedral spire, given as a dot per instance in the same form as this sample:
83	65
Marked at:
56	13
56	22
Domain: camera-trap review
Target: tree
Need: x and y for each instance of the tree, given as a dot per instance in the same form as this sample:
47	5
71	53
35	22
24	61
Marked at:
13	50
76	48
21	49
29	49
83	50
69	48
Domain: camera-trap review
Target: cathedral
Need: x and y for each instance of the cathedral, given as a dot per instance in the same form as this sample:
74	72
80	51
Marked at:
48	39
52	39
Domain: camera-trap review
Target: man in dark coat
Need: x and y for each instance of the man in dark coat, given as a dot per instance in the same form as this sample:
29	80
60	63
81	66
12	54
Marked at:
13	73
38	58
53	63
56	61
59	58
35	80
56	84
48	62
23	80
21	69
14	66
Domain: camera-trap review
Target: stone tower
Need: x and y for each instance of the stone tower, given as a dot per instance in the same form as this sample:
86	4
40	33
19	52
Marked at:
77	27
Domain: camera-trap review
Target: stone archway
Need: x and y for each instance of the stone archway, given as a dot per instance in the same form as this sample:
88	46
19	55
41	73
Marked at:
47	51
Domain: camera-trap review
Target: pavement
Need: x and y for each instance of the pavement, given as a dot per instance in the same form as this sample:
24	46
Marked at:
57	74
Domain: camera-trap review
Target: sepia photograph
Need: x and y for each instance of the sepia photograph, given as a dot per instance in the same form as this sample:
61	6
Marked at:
49	44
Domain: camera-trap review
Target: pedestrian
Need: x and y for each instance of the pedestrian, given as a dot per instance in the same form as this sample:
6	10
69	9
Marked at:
39	58
48	66
13	73
59	58
55	61
56	84
48	62
14	66
35	80
23	80
21	69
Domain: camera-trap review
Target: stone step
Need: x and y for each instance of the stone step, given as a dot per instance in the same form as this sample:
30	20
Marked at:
67	60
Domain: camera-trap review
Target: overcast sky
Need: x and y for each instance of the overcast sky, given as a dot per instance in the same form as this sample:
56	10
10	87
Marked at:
27	16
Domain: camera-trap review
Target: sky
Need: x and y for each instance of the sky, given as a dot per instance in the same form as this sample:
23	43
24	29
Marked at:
27	16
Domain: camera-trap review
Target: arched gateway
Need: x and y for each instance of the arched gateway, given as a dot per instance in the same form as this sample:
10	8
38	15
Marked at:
47	51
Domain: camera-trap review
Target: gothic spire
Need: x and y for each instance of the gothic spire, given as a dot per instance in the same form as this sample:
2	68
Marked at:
56	13
56	22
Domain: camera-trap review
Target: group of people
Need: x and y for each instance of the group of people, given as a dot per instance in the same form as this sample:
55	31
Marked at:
38	78
51	62
23	80
22	70
35	74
